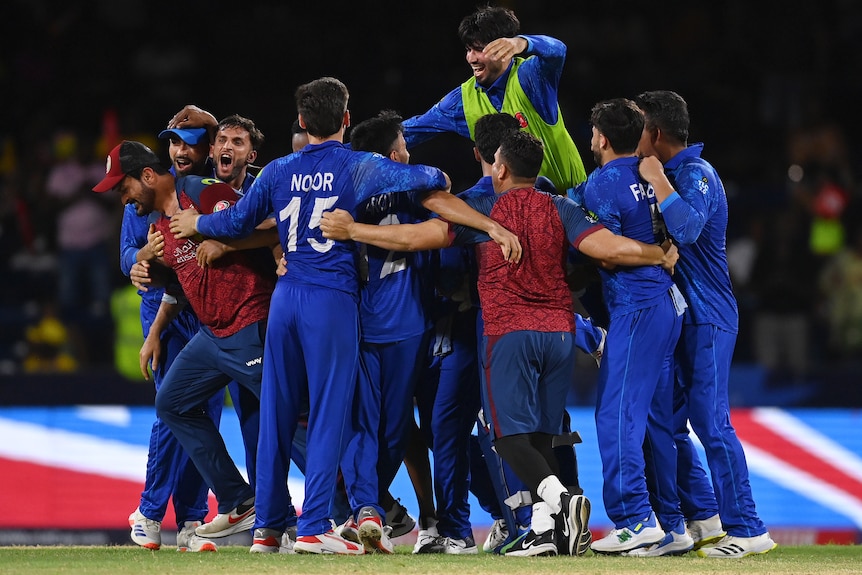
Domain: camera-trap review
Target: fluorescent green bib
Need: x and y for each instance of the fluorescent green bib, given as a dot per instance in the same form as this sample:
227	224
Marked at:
562	163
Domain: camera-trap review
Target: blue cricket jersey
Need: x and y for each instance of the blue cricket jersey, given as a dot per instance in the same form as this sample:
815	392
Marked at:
696	218
299	187
397	292
133	235
622	202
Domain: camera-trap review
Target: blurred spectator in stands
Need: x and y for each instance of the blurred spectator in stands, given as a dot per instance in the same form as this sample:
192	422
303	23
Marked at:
841	292
783	283
742	254
49	348
85	226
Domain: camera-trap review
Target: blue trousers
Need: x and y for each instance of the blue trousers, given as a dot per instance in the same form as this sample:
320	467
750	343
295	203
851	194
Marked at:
448	401
170	475
382	413
204	367
311	358
635	393
703	359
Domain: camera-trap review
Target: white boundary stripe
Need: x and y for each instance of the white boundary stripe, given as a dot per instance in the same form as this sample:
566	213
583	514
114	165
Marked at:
84	453
803	483
117	415
76	451
811	440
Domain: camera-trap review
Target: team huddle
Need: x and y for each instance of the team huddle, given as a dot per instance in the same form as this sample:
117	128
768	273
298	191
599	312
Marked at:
341	287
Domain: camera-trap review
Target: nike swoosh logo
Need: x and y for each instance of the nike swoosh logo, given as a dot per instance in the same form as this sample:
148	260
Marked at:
237	518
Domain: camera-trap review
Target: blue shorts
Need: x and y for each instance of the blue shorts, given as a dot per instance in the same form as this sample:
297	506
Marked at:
526	376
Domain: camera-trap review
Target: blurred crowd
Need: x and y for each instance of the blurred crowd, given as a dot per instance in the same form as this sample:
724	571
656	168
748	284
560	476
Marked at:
770	106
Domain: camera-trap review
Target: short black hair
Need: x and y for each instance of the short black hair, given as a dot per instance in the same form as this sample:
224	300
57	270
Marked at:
667	111
487	24
322	104
621	122
523	153
377	134
489	131
237	121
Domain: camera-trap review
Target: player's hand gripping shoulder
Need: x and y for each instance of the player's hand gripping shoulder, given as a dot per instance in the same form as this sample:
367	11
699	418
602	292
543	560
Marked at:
508	242
183	223
336	224
502	49
651	170
671	256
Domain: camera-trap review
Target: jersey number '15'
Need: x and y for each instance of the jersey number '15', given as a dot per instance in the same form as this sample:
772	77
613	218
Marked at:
290	212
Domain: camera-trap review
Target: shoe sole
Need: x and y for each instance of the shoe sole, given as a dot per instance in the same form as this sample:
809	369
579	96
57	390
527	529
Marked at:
709	540
584	543
300	550
370	535
205	548
668	551
431	548
578	518
702	553
548	550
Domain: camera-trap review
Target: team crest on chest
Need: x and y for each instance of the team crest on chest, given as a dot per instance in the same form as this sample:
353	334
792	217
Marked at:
221	205
521	119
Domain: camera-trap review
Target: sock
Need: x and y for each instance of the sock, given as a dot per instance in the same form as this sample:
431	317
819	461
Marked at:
550	489
542	520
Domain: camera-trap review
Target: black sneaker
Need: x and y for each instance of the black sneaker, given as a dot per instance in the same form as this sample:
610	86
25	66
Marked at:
399	520
532	545
584	542
572	525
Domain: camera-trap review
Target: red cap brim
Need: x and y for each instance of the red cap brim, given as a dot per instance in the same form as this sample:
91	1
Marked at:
109	182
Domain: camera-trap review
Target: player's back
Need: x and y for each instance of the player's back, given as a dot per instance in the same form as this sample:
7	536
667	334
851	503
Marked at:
621	201
301	186
531	295
396	293
322	177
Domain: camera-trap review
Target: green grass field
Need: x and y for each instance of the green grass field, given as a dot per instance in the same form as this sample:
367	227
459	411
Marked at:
236	560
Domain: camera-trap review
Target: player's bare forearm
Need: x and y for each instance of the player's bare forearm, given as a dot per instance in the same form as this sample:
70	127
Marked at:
428	235
432	234
613	250
455	210
151	350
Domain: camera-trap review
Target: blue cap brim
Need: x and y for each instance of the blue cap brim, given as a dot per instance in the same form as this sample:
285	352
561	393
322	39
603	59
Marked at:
190	136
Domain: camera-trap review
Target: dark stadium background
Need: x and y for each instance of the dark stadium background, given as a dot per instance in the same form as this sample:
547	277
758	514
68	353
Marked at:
768	84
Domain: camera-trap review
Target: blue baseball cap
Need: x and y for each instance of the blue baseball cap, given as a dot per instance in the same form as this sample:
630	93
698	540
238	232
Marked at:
190	136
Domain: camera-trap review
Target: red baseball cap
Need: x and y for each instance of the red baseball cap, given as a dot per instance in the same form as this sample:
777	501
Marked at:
127	157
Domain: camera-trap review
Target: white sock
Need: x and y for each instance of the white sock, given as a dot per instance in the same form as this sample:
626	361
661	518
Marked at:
542	520
550	489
